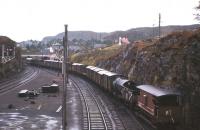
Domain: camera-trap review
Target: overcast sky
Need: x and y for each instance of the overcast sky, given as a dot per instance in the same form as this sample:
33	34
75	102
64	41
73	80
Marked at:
34	19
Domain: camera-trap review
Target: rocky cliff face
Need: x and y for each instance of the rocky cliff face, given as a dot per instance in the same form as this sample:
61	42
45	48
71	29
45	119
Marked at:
173	62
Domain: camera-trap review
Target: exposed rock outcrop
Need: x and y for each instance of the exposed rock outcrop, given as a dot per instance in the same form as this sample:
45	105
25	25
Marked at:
173	62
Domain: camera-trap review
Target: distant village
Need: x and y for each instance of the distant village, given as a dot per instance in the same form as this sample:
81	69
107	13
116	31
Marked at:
55	49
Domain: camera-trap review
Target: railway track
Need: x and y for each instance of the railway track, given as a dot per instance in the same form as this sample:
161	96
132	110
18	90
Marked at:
121	117
116	116
114	122
16	82
15	76
94	115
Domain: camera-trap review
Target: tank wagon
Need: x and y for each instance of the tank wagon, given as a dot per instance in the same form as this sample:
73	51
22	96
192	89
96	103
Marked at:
160	106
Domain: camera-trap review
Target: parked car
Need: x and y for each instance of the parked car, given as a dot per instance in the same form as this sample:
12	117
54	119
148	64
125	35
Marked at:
23	93
27	93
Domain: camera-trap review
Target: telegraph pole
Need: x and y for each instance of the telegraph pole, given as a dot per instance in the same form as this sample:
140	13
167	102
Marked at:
159	24
153	32
65	79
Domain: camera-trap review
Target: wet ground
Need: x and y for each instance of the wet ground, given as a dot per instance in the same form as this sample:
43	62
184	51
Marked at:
39	113
45	111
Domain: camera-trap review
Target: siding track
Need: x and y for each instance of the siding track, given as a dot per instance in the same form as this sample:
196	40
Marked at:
22	79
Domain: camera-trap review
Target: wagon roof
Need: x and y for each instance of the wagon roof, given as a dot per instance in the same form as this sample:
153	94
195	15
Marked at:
108	73
90	67
96	69
157	91
77	64
52	60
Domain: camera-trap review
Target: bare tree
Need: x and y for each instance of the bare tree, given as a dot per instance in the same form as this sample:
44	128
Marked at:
197	16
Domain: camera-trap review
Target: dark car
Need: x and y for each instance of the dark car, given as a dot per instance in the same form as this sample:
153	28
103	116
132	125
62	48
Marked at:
23	93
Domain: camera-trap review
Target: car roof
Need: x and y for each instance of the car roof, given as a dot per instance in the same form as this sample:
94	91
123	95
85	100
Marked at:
54	85
23	91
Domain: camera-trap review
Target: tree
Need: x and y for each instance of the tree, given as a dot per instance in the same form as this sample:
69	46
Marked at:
197	16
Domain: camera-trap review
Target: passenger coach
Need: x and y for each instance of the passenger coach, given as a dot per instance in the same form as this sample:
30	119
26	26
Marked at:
160	105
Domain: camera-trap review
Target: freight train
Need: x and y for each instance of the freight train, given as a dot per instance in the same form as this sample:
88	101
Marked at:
160	106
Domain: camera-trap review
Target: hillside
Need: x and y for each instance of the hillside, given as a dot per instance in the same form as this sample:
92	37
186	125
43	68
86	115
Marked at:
132	34
177	51
148	32
97	55
84	35
165	62
172	62
86	40
6	40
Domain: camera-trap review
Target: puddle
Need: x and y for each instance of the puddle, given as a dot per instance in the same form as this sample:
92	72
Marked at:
17	121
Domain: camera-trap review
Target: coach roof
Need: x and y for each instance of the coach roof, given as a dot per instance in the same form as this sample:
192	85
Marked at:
157	91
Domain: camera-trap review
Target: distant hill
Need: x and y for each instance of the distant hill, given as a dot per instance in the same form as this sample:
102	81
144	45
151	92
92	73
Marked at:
84	40
83	35
148	32
132	34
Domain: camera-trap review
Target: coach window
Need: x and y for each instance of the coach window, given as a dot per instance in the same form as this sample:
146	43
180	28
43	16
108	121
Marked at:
145	100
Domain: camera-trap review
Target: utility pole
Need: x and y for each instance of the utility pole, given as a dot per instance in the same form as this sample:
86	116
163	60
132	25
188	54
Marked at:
159	24
153	32
65	79
2	55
